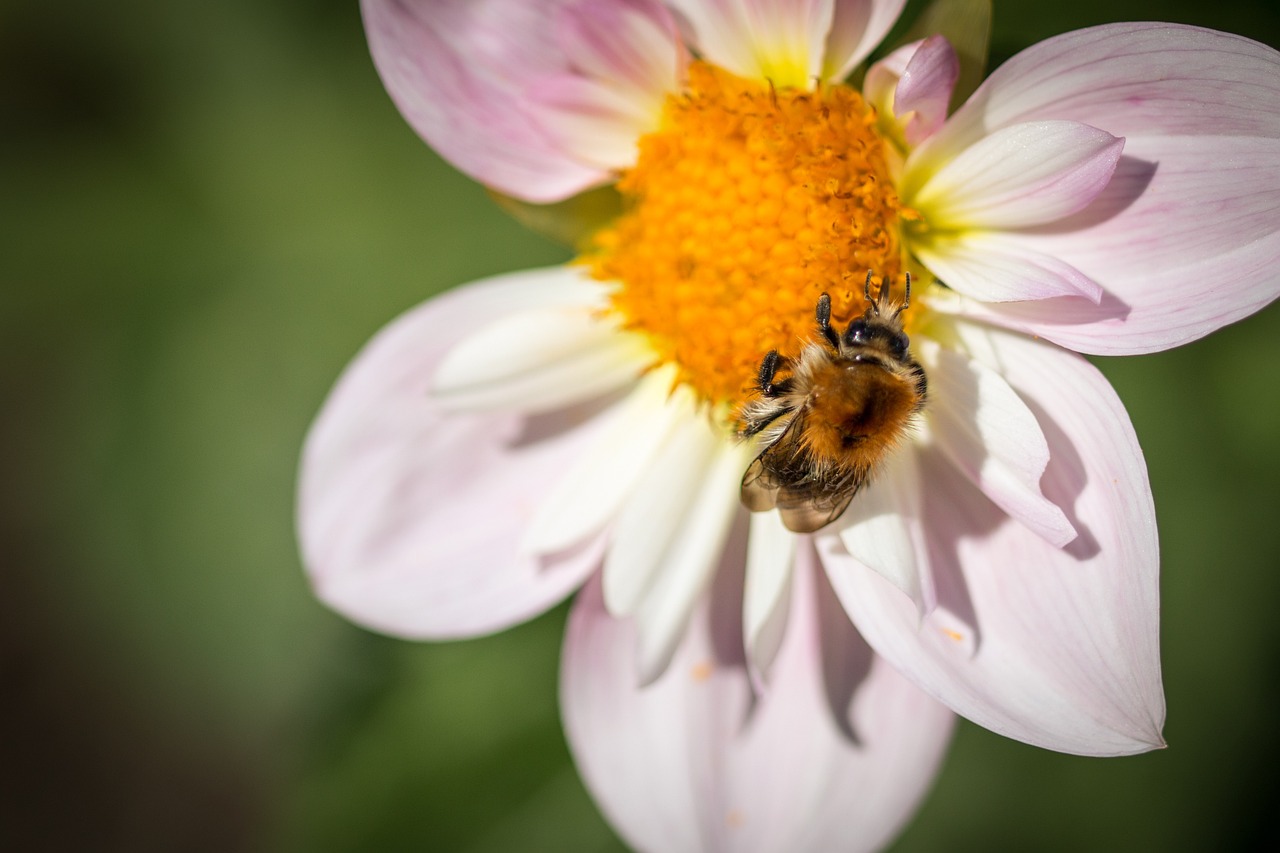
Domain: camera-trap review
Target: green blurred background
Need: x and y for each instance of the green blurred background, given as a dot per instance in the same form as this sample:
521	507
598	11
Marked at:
207	208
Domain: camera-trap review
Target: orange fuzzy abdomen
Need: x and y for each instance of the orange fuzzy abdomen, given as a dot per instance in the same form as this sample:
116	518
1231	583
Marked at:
856	413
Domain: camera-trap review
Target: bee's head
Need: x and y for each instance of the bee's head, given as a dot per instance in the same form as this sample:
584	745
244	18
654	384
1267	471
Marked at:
879	327
874	331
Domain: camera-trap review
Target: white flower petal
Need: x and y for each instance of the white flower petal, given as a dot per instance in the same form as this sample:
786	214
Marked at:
1186	237
986	429
409	517
1188	242
990	267
771	550
690	559
836	756
1016	177
883	531
593	489
778	40
856	28
655	512
1057	647
719	33
538	361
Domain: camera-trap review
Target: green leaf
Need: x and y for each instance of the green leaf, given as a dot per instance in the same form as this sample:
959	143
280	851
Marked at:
572	221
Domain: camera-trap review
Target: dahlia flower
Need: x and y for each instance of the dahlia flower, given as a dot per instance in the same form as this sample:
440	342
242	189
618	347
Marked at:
727	684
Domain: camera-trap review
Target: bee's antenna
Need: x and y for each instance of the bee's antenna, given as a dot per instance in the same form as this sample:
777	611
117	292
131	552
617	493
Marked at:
906	299
866	292
906	296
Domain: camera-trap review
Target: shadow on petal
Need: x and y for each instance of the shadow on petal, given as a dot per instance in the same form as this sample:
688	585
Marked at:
725	611
846	657
1064	481
1044	315
1130	180
547	426
954	509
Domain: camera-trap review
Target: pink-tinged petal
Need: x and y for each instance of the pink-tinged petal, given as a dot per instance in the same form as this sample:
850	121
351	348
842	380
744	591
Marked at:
1016	177
836	756
461	73
987	431
452	69
856	28
626	58
1197	250
882	529
1133	80
966	25
1055	647
991	267
926	86
767	597
597	123
409	517
632	44
882	78
916	81
1184	239
778	40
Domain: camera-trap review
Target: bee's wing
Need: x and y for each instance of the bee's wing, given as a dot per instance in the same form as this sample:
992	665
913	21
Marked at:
811	505
807	517
758	493
759	486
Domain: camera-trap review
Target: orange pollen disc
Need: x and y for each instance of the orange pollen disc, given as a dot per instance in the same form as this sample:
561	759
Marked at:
742	209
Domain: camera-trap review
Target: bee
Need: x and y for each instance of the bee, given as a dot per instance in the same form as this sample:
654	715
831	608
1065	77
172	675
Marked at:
847	401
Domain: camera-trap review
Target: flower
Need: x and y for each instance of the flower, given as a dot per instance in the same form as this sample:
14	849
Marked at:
726	683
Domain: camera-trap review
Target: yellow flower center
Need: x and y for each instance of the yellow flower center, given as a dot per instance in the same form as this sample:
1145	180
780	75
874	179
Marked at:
745	206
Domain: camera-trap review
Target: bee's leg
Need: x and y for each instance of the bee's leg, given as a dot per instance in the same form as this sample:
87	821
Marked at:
824	321
756	425
768	370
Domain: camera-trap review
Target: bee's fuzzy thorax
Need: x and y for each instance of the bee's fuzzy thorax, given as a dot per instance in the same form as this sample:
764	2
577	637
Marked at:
856	411
827	419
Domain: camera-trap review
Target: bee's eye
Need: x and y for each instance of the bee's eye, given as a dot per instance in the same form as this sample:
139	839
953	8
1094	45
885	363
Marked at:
900	344
857	333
